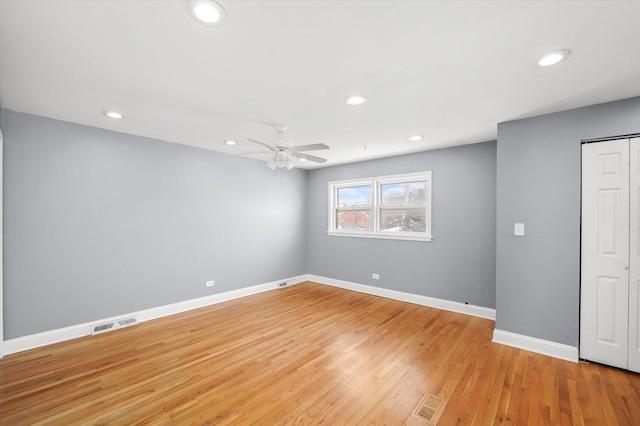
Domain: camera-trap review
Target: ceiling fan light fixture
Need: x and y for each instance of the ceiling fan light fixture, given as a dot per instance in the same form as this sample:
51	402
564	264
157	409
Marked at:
289	164
355	100
552	58
281	158
207	12
271	164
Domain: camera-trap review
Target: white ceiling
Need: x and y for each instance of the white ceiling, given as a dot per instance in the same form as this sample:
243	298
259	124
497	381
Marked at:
450	70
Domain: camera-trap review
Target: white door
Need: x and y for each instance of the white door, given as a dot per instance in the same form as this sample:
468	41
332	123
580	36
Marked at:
604	309
634	263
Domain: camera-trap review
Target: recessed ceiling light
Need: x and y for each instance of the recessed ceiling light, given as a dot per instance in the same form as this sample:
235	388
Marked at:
356	100
415	138
228	142
113	114
553	58
207	12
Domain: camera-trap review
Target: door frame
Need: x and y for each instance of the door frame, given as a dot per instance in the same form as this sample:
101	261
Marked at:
1	246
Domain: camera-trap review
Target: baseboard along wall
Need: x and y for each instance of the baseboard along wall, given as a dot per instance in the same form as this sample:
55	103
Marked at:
532	344
432	302
32	341
553	349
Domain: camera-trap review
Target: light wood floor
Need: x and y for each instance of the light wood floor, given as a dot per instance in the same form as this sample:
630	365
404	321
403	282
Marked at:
307	354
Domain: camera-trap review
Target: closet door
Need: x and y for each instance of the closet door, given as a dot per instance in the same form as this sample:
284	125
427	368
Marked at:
634	262
604	312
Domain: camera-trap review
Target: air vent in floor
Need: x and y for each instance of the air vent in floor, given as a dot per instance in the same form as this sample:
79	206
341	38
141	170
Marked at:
102	328
428	411
127	322
113	325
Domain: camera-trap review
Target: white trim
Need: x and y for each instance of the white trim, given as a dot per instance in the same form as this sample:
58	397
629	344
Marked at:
447	305
544	347
32	341
367	180
1	247
389	236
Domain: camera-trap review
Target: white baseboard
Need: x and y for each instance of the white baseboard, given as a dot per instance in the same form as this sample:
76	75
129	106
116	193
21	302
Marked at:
544	347
447	305
32	341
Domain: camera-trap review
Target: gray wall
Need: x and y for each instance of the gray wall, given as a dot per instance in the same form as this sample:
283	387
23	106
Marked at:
99	223
458	264
538	275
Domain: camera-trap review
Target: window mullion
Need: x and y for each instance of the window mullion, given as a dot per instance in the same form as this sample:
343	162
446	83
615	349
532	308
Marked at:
376	207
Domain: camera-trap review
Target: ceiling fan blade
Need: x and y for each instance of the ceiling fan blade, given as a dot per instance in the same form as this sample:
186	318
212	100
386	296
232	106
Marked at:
312	147
248	153
309	157
271	147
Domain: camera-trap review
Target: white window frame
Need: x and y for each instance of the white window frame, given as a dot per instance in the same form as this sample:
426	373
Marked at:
376	207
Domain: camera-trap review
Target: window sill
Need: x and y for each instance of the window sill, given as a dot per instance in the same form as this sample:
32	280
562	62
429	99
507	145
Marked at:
381	236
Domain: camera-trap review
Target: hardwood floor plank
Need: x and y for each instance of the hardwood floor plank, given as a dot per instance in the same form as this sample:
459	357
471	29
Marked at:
574	400
307	354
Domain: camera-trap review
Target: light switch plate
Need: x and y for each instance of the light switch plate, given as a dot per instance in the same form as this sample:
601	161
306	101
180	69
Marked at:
518	229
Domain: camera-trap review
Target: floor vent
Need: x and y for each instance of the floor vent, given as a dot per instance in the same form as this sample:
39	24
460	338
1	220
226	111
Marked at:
113	325
428	411
127	322
97	329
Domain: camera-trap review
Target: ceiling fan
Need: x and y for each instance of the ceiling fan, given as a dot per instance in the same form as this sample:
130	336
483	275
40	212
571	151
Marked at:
283	152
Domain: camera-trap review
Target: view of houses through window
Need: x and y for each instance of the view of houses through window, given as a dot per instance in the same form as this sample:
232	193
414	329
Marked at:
354	208
386	207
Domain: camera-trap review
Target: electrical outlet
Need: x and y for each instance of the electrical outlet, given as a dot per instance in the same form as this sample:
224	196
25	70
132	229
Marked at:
209	283
375	276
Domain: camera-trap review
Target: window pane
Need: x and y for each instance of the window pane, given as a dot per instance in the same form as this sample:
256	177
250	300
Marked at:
355	196
403	220
403	194
353	220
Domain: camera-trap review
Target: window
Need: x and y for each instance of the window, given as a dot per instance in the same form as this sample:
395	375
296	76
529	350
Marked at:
397	207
